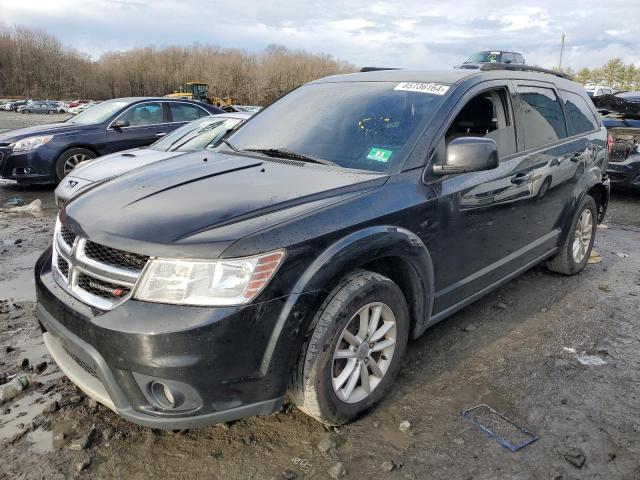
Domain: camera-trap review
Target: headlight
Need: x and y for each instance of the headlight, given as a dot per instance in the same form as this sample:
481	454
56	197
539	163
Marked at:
31	143
211	283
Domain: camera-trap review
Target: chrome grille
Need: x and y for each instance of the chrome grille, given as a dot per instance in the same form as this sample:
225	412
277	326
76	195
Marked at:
108	290
114	257
63	266
100	276
67	236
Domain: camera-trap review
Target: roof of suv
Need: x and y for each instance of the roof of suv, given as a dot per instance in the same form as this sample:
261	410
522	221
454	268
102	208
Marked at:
452	76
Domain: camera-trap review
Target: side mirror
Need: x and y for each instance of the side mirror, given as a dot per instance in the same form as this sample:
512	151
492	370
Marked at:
468	154
507	61
118	124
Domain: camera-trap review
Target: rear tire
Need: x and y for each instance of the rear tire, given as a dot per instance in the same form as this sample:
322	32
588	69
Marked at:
24	111
339	375
574	253
69	159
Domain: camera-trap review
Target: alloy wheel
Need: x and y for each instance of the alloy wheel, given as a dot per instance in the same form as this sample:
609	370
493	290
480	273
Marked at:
74	160
364	352
582	236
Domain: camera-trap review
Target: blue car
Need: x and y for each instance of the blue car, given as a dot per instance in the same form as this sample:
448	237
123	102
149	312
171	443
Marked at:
47	153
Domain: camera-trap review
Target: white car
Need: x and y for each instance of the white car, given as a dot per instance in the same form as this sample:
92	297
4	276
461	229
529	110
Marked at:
196	135
597	90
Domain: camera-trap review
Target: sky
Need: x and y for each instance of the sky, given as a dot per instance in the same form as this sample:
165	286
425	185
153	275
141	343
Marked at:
420	34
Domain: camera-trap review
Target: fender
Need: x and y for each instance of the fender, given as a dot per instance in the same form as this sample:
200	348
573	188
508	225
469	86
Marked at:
345	255
591	177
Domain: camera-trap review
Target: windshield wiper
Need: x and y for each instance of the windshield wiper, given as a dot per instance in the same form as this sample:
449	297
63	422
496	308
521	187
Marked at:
229	144
288	154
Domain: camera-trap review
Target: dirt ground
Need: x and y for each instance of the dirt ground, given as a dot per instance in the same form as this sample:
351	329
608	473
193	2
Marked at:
518	350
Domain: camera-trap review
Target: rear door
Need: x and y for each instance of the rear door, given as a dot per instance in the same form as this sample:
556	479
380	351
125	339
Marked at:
147	122
482	232
558	153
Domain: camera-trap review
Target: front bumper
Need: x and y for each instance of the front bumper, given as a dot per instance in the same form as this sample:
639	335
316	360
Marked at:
225	362
625	174
36	166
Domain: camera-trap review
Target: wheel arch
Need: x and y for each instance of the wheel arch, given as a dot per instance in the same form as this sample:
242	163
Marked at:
392	251
86	146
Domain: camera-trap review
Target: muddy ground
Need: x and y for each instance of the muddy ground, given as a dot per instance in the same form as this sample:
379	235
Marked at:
517	350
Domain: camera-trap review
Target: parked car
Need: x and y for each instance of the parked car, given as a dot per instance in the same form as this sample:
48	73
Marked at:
47	153
81	107
20	103
621	116
39	107
196	135
598	90
300	255
492	56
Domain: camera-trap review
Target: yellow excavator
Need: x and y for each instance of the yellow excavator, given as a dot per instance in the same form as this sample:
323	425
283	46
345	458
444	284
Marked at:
200	91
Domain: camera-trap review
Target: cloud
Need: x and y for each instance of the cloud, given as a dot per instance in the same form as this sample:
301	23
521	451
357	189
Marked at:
411	33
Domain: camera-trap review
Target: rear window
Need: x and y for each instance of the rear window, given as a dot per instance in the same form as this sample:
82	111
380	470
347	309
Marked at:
580	118
540	116
183	112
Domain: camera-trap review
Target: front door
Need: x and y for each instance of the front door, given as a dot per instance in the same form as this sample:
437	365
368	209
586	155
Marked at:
483	229
144	124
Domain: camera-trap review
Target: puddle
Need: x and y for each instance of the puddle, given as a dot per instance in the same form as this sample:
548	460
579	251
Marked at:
21	287
23	410
46	441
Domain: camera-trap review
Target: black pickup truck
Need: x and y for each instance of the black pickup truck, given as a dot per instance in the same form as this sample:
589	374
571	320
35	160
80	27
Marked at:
298	258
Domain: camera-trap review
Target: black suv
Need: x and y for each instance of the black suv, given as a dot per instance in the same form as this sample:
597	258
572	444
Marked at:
299	257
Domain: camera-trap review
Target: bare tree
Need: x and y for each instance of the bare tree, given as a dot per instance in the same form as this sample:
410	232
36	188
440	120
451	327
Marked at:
35	64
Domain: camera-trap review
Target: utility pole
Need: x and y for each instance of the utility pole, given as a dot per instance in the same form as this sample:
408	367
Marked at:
561	51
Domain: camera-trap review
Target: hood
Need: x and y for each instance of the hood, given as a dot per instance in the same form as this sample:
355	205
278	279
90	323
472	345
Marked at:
119	163
199	206
47	129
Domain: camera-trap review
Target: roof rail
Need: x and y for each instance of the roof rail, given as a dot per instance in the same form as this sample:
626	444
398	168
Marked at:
376	69
521	68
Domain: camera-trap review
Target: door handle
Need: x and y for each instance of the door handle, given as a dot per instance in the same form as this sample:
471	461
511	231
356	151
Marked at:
521	178
161	134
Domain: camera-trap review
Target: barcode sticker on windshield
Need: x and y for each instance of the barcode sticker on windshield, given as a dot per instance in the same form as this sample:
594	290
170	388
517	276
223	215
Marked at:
433	88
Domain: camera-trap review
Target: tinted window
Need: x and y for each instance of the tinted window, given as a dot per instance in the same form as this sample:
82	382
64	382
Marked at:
541	116
361	125
580	118
182	112
144	114
485	115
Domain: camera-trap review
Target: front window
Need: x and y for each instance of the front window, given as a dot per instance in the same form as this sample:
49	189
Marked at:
196	135
143	114
485	57
98	113
358	125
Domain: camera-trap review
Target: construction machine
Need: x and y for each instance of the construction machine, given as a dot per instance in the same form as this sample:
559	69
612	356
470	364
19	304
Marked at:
200	91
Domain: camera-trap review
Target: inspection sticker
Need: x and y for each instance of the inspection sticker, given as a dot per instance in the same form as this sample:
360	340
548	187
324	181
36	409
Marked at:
379	155
433	88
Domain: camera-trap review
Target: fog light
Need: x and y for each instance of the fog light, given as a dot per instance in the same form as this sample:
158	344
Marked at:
165	397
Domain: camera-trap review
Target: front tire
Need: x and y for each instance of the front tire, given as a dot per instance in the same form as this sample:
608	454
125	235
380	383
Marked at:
574	253
70	159
353	353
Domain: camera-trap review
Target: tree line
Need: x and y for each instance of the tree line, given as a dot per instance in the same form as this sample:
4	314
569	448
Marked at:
34	64
615	73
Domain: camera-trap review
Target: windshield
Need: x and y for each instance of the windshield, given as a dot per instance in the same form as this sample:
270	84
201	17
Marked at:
359	125
98	113
484	57
196	135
